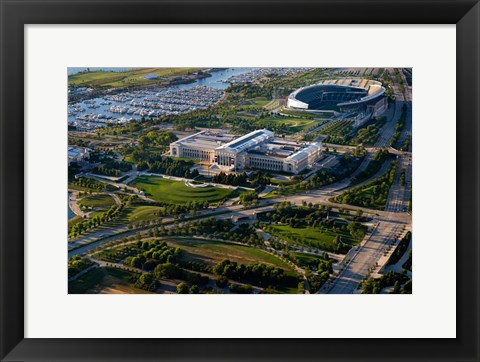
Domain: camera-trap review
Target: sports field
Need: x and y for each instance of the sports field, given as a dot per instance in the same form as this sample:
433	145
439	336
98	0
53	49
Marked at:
176	192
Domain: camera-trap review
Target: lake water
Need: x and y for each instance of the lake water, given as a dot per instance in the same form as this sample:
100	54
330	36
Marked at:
217	81
70	212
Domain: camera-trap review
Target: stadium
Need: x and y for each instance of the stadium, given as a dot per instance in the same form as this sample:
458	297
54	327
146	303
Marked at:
340	95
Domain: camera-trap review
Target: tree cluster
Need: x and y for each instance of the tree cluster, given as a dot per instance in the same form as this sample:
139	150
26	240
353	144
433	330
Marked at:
96	220
374	286
231	179
150	255
373	166
372	195
213	228
76	264
257	274
92	184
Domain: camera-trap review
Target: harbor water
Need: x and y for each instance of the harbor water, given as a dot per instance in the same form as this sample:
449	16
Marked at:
70	212
152	102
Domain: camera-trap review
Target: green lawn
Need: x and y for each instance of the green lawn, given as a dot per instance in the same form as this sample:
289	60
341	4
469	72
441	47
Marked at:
74	220
211	252
104	281
141	213
103	201
304	260
257	102
133	77
371	198
176	192
306	114
294	124
311	237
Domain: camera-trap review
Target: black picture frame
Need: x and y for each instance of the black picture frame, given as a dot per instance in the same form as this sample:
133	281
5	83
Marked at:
15	14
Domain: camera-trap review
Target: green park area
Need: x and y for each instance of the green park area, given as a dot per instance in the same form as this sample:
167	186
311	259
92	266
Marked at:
290	125
304	260
105	281
177	192
213	251
128	78
373	194
141	213
190	254
98	201
74	220
256	102
317	237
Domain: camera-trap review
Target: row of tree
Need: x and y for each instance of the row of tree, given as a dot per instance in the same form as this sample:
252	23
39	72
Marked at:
257	274
372	195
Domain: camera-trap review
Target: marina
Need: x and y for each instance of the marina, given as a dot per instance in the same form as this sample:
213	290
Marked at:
122	107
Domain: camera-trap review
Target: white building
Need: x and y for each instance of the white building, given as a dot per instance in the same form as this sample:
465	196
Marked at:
78	154
256	150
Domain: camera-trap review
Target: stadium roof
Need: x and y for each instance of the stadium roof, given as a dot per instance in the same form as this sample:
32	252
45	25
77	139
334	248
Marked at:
374	89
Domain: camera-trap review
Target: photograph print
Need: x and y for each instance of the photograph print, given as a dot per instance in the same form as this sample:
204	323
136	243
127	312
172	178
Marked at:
239	180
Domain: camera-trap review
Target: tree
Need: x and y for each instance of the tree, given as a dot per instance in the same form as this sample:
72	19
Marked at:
182	288
396	288
194	289
249	198
167	270
301	287
221	282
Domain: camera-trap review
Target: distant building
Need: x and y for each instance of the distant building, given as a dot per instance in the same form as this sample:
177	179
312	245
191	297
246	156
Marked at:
256	150
78	154
343	95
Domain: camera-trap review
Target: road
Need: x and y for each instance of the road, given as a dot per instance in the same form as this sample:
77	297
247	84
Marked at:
395	220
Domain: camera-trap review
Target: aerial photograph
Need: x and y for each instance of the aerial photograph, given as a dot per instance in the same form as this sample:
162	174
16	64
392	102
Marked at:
239	180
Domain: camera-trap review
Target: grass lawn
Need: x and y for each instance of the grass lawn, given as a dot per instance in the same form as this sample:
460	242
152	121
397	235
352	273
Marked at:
370	197
133	77
306	114
304	260
285	192
103	201
256	102
74	220
293	125
312	237
141	213
276	181
85	188
211	252
129	214
104	281
176	192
